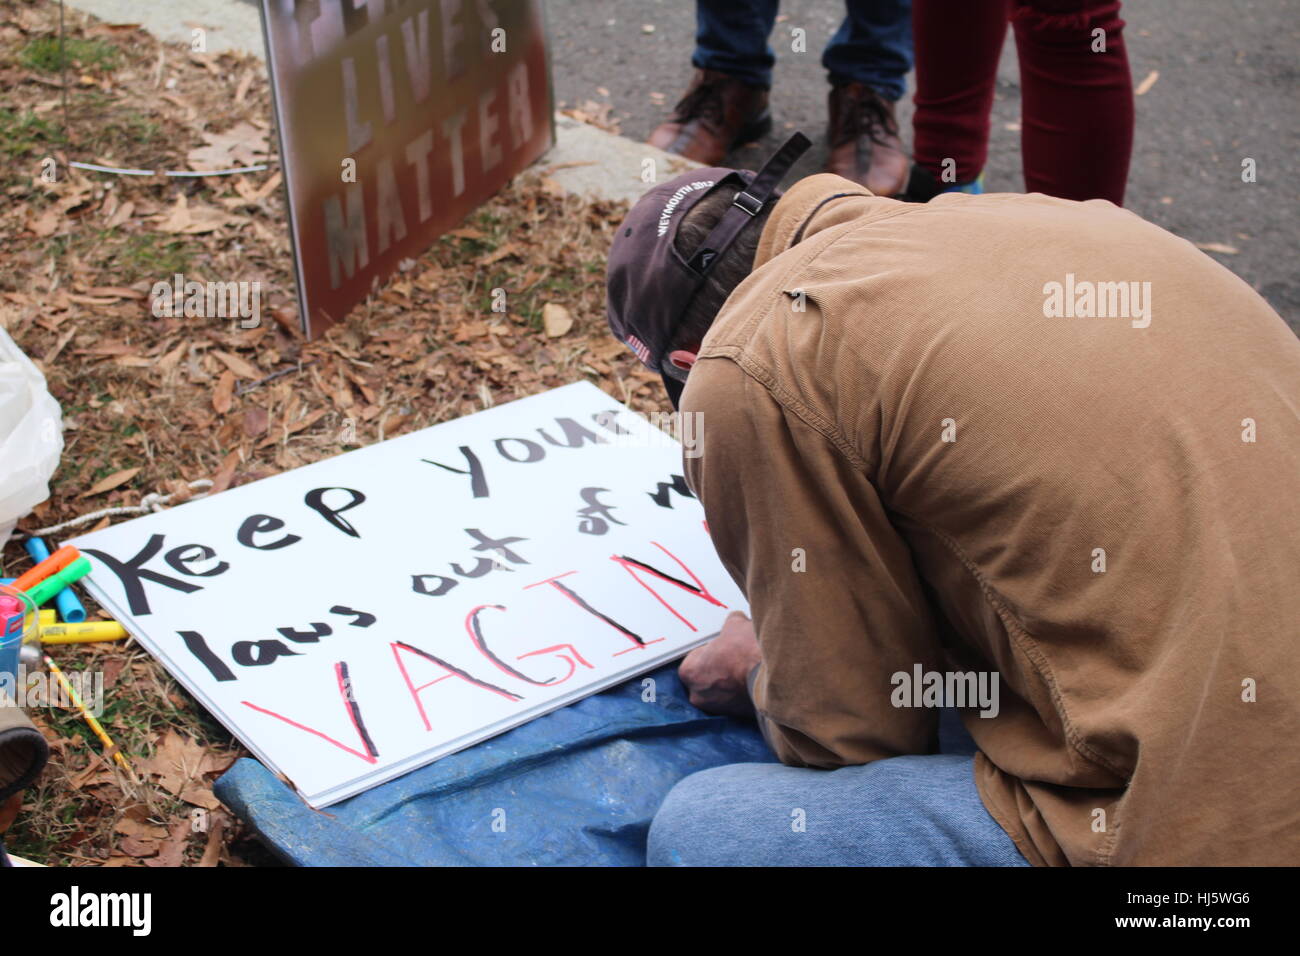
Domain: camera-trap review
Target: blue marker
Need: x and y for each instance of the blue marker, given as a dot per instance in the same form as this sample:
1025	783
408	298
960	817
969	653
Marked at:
70	609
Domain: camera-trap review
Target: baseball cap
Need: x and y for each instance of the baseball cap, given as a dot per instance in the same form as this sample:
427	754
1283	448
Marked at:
648	282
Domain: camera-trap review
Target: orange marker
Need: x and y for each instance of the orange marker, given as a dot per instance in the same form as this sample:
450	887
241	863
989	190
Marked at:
52	565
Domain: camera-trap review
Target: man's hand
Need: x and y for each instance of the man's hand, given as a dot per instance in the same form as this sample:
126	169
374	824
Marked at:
716	673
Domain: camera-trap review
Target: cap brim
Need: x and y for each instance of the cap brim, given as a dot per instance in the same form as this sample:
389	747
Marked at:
674	389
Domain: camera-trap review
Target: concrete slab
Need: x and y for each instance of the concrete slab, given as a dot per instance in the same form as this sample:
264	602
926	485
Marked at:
600	165
229	25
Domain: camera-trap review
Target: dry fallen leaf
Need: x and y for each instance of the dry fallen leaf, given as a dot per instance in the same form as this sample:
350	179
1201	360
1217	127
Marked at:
112	481
245	82
256	421
140	829
200	797
237	365
1222	247
216	829
132	846
179	763
115	292
44	225
1146	84
170	360
226	473
507	249
296	427
556	320
223	394
185	219
241	145
172	851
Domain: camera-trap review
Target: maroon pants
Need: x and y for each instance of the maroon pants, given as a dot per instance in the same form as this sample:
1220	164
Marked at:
1076	104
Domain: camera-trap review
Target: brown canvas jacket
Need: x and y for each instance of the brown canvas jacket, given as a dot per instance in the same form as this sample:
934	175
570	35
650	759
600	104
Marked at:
971	484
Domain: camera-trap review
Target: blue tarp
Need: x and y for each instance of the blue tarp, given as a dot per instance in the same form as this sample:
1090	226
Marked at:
576	787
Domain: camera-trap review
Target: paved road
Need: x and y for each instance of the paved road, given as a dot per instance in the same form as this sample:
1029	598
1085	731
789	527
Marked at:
1229	88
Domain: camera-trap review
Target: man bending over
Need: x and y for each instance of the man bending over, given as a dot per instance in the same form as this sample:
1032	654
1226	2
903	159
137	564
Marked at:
1031	458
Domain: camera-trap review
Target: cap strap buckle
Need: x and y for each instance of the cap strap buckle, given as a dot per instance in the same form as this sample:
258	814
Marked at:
752	205
749	201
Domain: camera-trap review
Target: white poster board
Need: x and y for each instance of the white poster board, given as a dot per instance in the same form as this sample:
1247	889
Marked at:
365	615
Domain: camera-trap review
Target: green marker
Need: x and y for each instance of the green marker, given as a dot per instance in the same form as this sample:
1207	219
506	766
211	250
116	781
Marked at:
45	590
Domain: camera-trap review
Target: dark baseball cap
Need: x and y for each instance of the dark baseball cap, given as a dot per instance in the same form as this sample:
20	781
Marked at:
648	283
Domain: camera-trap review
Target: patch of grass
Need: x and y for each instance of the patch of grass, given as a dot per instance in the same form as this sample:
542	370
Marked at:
557	252
149	256
124	134
48	55
23	133
556	288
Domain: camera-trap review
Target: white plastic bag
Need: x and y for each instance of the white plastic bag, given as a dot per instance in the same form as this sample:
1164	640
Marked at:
31	436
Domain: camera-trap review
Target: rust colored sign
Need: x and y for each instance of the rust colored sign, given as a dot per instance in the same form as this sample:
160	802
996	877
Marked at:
396	119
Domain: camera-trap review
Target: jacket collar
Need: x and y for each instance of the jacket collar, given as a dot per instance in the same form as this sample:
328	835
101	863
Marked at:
812	205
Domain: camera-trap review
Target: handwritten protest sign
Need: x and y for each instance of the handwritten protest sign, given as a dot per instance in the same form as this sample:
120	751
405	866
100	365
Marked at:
362	616
395	121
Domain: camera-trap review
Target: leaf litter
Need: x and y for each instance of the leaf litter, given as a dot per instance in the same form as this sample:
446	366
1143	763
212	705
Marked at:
152	403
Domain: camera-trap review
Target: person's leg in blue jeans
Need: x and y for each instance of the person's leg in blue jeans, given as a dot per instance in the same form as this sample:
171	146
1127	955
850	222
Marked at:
725	105
867	61
731	36
872	46
905	811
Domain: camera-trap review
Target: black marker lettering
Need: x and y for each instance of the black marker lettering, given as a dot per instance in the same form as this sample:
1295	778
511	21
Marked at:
363	619
535	451
575	435
478	481
260	653
198	646
306	637
662	493
597	516
496	544
187	554
315	500
419	586
476	635
130	573
481	567
608	421
259	524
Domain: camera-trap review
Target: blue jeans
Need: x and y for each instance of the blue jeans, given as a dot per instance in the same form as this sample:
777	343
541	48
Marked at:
873	45
904	811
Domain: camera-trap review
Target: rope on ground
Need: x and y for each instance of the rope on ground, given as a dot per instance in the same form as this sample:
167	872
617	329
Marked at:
150	502
168	172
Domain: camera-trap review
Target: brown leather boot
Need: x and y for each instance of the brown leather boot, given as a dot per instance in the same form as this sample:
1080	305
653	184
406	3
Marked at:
864	140
717	114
